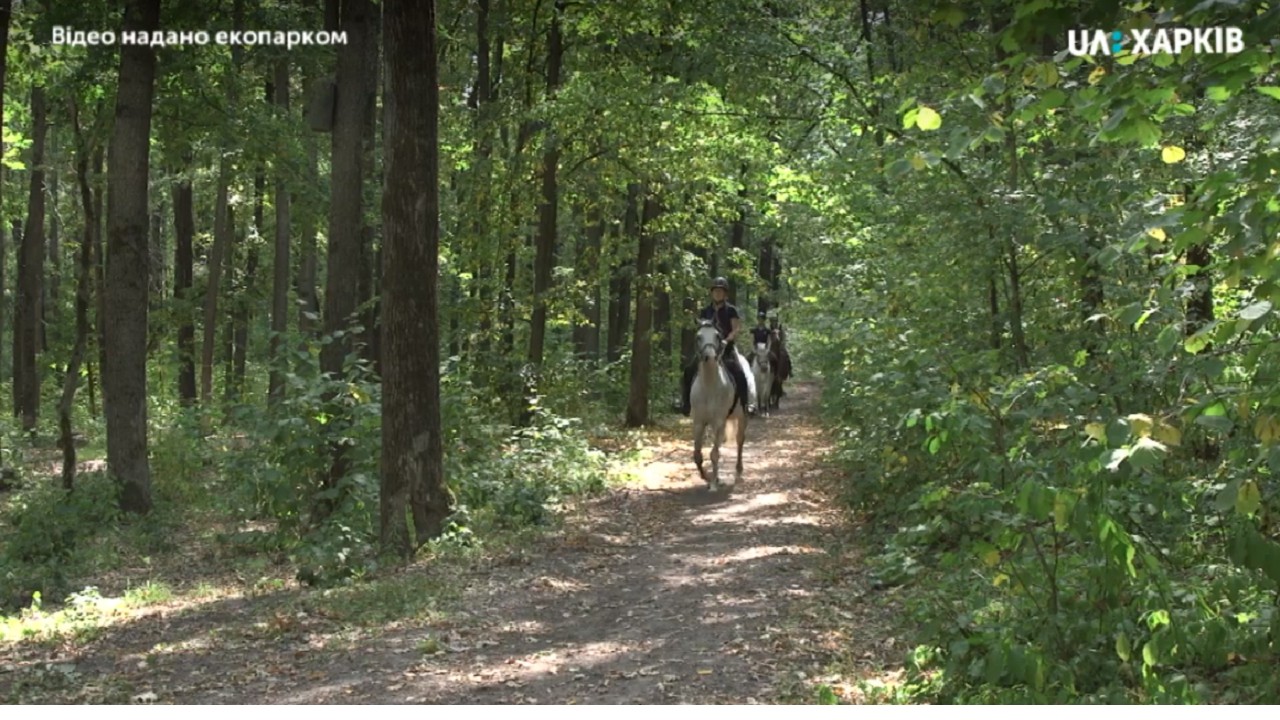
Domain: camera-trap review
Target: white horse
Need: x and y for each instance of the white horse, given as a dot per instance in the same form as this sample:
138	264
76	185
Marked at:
762	371
714	403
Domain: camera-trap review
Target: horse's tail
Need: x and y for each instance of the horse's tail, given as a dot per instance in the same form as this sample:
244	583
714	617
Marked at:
735	426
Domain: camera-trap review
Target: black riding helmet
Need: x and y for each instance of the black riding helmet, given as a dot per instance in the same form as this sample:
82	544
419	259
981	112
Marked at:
761	315
719	283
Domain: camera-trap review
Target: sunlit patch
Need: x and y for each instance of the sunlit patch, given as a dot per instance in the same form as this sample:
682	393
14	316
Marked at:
557	584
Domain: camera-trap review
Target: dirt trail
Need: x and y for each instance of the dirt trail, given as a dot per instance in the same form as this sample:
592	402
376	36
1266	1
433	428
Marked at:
660	592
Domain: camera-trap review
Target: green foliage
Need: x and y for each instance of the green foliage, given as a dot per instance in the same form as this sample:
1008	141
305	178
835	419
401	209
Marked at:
1070	469
49	536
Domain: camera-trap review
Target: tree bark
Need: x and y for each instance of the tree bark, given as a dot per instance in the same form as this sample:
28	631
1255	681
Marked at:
125	377
619	303
184	231
642	334
223	228
6	16
586	335
84	271
308	264
100	268
280	258
370	275
412	441
31	255
49	299
548	209
342	280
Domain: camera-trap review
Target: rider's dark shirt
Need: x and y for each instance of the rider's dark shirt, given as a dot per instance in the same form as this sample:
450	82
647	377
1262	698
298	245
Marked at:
760	334
722	317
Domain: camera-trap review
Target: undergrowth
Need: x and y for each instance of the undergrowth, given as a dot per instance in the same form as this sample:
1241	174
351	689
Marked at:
1062	537
245	493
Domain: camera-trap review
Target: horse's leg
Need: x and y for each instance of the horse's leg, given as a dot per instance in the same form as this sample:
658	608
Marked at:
734	428
742	438
699	429
718	429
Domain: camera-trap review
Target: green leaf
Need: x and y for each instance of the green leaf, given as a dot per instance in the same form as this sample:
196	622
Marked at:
1215	422
1123	649
1226	499
909	119
1270	91
1062	507
1054	98
928	119
1168	338
1217	93
1256	310
950	15
1249	499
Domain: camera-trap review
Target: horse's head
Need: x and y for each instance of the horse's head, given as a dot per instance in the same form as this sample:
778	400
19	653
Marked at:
710	344
762	354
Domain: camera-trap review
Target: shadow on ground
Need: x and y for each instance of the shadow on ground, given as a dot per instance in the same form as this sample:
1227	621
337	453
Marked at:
660	592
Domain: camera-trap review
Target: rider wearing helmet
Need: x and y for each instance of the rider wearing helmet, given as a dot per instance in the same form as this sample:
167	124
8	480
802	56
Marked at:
760	333
726	319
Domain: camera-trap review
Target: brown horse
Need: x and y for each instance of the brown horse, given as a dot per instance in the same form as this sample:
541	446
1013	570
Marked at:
781	361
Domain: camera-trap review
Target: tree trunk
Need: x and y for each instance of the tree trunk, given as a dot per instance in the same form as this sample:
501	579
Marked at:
342	281
100	265
586	335
1200	303
31	254
309	263
280	257
222	226
49	300
228	320
412	441
157	269
370	276
1199	310
84	272
764	269
6	16
246	294
1092	294
642	334
545	243
480	101
619	307
184	231
125	378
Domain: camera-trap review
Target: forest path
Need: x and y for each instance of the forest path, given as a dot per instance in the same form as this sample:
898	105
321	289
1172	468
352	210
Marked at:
657	592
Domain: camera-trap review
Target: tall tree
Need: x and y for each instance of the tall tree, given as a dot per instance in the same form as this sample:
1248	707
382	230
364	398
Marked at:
6	16
124	379
223	227
280	259
84	273
642	334
412	442
184	231
31	255
545	239
342	280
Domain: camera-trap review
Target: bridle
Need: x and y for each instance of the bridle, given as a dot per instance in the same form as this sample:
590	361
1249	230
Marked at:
765	359
719	341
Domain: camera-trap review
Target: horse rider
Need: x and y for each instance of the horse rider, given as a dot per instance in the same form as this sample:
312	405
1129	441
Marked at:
726	319
760	333
775	324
